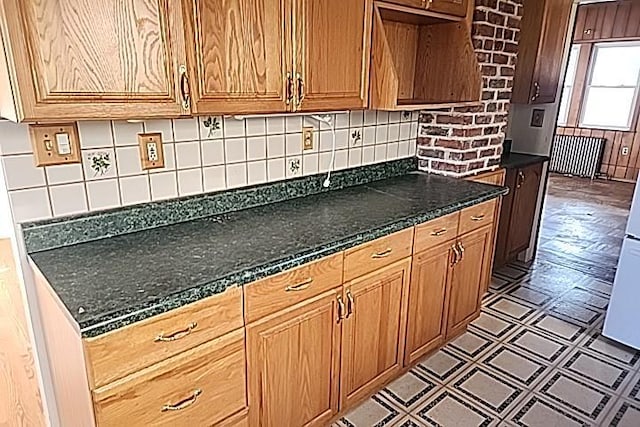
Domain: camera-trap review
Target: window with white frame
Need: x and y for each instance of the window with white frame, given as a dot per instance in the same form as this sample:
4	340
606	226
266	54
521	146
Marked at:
569	80
612	86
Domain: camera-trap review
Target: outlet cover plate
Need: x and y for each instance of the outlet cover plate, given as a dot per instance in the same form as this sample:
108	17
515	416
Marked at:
55	144
151	150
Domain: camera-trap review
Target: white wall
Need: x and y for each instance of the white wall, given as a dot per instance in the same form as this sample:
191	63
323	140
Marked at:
6	221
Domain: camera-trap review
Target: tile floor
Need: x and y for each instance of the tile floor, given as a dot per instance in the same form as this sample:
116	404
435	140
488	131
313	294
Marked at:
535	357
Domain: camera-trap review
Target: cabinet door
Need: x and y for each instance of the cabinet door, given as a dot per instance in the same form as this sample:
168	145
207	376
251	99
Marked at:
373	331
525	200
502	240
237	57
450	7
333	51
467	279
546	76
293	363
78	59
426	314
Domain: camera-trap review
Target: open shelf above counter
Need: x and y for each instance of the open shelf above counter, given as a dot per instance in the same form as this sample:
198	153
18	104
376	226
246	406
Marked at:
421	59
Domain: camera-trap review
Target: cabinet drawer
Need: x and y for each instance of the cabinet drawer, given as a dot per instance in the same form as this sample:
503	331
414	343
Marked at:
371	256
132	348
272	294
477	216
435	232
202	386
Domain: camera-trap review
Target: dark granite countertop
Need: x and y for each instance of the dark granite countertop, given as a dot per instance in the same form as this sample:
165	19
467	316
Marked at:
113	282
520	160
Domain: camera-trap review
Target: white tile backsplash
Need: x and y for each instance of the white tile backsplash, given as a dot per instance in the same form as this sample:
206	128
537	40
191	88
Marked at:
188	155
15	138
257	172
128	161
256	148
126	133
235	150
236	175
21	172
134	190
64	174
103	194
163	186
95	134
214	178
209	154
190	182
68	199
212	152
186	130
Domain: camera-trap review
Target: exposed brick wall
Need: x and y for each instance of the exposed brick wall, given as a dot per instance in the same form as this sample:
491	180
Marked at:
463	141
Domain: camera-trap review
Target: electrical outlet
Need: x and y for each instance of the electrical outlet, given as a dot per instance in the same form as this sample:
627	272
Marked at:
151	152
307	138
55	144
625	151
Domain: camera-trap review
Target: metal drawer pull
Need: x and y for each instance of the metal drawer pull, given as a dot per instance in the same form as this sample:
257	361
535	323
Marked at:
300	286
340	308
440	232
478	217
184	404
176	335
350	304
461	248
382	254
456	255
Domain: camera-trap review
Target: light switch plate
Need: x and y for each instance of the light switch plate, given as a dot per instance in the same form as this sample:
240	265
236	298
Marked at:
307	138
55	144
151	151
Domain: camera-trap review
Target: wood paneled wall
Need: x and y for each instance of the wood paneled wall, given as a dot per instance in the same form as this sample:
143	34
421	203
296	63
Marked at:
596	23
615	164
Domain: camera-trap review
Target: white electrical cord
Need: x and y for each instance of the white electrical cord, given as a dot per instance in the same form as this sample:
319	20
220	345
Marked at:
328	119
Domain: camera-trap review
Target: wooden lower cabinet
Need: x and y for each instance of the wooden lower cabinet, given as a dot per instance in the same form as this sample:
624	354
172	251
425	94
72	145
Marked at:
373	331
426	328
293	361
468	277
202	386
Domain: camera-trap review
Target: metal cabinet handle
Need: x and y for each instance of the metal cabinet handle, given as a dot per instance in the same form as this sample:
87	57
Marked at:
478	218
351	305
300	286
536	95
176	335
438	233
300	89
382	254
456	255
461	248
289	88
521	178
184	404
340	308
184	88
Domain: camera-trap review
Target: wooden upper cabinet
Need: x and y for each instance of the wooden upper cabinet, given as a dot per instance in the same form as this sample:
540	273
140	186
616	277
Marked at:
332	46
467	279
82	59
543	32
373	331
236	51
450	7
293	364
616	20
